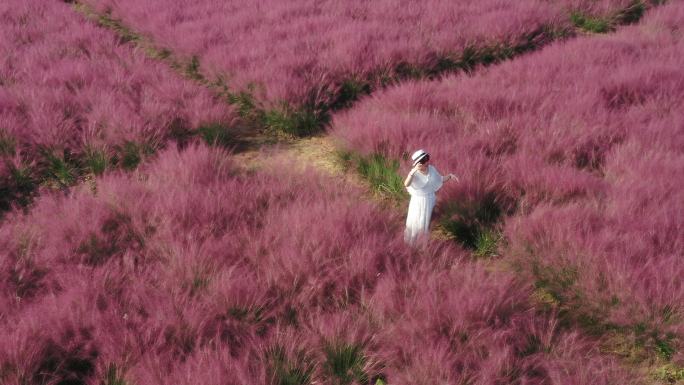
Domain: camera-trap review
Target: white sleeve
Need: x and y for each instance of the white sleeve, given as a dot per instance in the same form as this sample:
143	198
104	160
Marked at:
437	179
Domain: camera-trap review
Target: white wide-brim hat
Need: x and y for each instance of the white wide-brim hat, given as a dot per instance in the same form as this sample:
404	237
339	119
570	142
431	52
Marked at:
418	155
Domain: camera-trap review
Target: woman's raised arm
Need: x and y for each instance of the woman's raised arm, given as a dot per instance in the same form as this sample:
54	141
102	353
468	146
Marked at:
449	177
409	178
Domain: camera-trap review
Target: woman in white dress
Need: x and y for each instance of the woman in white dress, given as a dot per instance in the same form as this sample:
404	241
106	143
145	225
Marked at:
422	183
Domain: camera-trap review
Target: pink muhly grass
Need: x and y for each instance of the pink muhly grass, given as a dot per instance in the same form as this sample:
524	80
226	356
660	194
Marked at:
214	366
462	325
581	144
225	277
306	49
187	233
71	93
72	84
63	339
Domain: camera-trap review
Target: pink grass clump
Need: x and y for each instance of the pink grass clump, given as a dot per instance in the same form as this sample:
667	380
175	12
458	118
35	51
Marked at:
189	271
71	89
581	144
298	52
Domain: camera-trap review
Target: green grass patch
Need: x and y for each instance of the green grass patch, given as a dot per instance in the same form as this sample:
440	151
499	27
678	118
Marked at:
244	100
158	53
630	14
669	373
192	68
405	70
216	134
589	23
284	370
472	223
487	243
57	169
95	161
61	169
113	376
7	144
349	92
633	12
469	58
298	122
19	185
129	155
664	347
345	363
474	55
382	173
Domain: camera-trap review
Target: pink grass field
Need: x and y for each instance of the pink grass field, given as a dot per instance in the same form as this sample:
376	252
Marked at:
295	51
68	87
192	268
190	271
582	146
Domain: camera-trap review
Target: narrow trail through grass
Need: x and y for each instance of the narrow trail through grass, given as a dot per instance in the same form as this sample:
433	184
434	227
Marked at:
318	152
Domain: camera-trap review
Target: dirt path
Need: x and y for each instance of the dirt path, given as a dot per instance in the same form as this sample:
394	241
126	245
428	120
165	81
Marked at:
320	152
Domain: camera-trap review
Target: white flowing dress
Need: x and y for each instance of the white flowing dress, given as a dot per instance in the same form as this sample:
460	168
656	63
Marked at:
422	190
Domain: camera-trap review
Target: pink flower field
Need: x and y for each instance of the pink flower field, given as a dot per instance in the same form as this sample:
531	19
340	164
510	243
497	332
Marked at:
190	271
577	153
313	52
72	96
141	245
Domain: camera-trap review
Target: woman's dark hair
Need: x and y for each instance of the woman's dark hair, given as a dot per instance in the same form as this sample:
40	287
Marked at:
425	159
